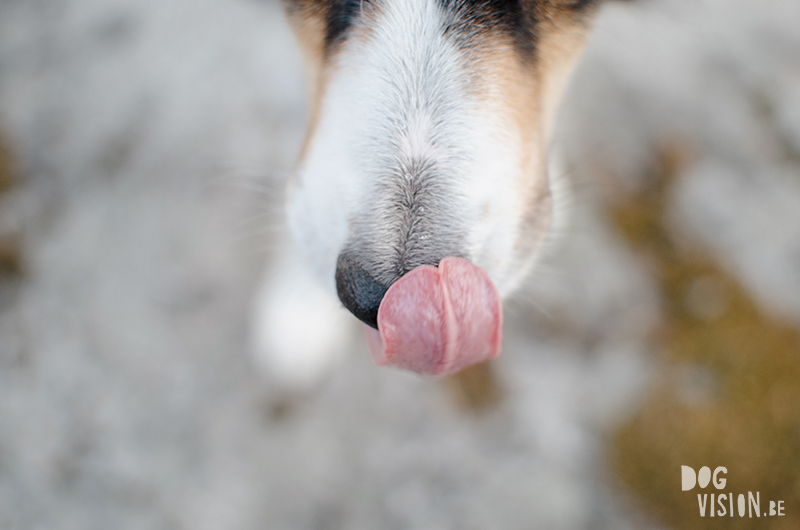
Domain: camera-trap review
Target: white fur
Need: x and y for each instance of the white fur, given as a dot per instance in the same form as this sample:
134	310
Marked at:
299	330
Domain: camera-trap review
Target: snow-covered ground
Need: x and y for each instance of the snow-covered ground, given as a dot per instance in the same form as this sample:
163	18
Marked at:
151	140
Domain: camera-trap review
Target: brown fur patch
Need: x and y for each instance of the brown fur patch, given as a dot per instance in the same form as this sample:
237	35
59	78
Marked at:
308	23
528	94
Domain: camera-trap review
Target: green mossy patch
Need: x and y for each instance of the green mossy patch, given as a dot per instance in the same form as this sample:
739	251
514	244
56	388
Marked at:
729	391
10	248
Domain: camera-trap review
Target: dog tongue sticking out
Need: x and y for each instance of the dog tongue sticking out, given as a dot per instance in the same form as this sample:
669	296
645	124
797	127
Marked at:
438	320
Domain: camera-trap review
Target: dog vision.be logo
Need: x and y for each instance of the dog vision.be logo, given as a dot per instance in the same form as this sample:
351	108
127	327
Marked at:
724	501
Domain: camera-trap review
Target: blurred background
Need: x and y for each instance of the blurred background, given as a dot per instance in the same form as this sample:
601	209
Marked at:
143	149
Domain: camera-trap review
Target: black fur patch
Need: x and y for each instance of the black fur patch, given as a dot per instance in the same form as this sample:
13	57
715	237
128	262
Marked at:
341	14
517	19
583	4
514	18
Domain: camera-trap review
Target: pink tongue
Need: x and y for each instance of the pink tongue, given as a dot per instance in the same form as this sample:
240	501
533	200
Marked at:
438	320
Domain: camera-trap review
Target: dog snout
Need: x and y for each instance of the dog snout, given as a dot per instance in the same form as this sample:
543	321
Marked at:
358	290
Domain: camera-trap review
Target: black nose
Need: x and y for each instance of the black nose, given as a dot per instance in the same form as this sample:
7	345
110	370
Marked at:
360	293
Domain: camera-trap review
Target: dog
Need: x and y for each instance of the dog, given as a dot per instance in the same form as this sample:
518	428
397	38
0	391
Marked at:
421	196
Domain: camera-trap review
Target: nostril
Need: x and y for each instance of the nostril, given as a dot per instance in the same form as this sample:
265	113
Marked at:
360	293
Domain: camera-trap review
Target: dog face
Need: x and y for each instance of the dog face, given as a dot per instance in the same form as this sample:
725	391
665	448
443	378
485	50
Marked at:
428	134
